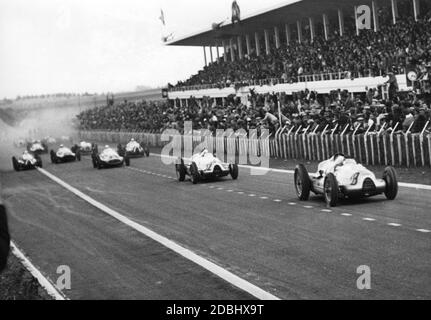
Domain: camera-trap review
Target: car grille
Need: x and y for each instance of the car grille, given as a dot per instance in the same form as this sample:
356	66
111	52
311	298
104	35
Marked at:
368	186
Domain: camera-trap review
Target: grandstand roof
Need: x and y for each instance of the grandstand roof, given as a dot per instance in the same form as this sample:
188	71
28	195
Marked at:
285	12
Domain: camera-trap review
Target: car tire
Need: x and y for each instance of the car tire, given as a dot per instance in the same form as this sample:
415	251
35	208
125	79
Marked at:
78	155
330	190
302	182
93	158
234	171
390	177
194	173
127	161
180	170
53	157
15	164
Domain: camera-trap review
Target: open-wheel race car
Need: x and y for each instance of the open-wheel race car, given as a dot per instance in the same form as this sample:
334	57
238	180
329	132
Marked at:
37	147
86	148
133	149
205	165
65	154
342	176
108	158
27	161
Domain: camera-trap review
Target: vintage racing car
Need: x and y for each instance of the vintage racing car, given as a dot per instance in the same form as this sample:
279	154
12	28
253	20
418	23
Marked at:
27	161
37	147
133	149
205	165
342	176
64	154
86	148
108	158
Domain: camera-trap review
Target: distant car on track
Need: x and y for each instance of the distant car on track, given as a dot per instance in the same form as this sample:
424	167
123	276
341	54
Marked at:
205	165
133	149
27	161
342	176
37	147
64	154
86	148
108	158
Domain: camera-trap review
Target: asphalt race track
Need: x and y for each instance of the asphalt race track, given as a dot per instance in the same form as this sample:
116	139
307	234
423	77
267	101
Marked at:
254	227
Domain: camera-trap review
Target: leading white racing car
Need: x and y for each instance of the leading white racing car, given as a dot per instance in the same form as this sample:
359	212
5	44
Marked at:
204	165
133	149
341	176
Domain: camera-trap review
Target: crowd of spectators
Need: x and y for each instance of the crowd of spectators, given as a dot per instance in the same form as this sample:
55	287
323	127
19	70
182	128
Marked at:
392	49
333	112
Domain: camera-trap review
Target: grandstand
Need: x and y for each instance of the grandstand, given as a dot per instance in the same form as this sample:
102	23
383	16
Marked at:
280	36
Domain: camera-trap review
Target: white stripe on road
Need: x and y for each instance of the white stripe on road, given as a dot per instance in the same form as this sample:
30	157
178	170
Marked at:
423	230
186	253
401	184
43	281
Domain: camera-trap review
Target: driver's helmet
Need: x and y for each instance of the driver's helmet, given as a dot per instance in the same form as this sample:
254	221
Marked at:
339	159
25	152
132	140
106	147
61	146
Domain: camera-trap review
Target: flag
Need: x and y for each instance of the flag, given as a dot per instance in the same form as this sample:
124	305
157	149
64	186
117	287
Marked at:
162	16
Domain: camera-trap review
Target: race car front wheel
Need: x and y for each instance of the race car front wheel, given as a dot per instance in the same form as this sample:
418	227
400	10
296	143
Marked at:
302	182
127	161
330	188
180	170
15	164
194	173
234	171
390	177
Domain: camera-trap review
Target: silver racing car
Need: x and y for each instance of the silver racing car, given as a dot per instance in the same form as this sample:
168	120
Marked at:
341	176
204	165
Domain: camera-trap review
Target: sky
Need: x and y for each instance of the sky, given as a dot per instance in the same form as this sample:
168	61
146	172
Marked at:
51	46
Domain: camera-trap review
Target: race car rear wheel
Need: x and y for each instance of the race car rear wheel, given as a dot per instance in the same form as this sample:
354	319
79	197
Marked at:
330	189
390	177
234	171
78	155
194	173
15	164
302	182
127	161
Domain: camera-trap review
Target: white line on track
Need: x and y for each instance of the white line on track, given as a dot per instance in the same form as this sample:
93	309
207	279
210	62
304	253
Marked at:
423	230
264	198
394	224
186	253
368	219
401	184
326	210
277	200
346	214
43	281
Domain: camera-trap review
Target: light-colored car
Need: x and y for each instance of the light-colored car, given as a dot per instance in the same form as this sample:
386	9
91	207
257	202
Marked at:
341	176
204	165
65	154
134	149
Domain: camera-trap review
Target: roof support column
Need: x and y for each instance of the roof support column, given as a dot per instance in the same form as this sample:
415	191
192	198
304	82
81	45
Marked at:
277	37
416	9
240	47
232	53
299	26
356	20
375	15
267	48
312	30
223	43
256	39
211	54
205	56
341	21
325	26
394	6
288	34
248	44
218	53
